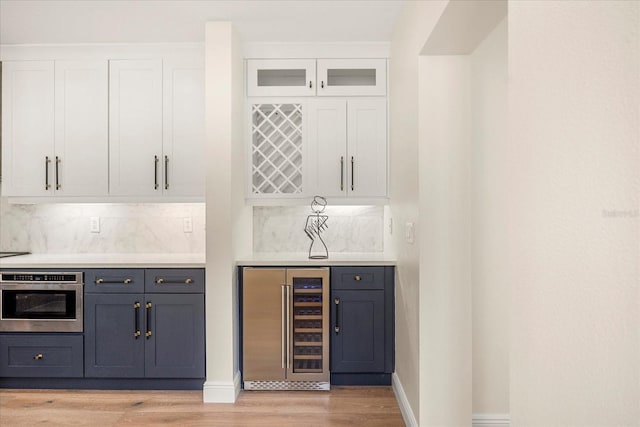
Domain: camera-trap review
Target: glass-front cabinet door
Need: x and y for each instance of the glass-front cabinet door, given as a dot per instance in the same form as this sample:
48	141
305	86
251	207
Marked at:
281	77
352	77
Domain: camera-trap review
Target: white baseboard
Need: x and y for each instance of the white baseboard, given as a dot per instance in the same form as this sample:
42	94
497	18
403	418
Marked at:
491	420
403	403
221	391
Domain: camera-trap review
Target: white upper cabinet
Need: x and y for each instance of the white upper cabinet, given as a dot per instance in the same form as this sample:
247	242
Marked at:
54	128
183	128
328	146
81	143
367	147
281	77
352	77
135	127
27	127
347	140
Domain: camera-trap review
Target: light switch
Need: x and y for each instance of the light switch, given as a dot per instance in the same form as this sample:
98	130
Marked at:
94	224
187	225
409	232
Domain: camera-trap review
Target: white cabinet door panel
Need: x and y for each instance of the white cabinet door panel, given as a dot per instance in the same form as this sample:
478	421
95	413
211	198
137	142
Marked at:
135	127
328	146
81	145
183	168
27	127
367	147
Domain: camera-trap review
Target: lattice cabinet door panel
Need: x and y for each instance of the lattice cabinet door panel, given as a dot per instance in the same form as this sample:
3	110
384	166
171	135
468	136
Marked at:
277	149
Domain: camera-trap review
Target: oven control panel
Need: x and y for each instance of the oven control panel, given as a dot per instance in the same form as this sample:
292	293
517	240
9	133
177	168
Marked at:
23	277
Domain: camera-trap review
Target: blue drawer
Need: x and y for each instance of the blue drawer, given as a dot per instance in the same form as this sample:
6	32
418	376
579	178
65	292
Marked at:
39	355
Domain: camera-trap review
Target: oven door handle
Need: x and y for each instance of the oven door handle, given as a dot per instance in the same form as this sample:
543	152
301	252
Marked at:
136	318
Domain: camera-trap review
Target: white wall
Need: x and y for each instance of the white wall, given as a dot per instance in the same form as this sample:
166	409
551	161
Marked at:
488	214
124	228
574	127
228	219
445	248
410	33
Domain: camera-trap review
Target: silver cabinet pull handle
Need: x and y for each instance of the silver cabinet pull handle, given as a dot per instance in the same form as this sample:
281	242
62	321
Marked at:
159	281
124	281
357	278
166	172
155	172
322	84
46	173
310	84
58	186
352	168
341	173
38	356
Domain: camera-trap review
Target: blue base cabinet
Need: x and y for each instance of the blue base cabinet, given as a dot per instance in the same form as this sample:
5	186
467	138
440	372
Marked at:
157	333
362	325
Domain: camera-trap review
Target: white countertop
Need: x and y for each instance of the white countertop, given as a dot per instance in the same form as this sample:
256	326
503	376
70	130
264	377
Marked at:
93	260
186	260
301	259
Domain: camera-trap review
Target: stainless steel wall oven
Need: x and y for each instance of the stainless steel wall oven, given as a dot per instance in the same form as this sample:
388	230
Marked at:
41	302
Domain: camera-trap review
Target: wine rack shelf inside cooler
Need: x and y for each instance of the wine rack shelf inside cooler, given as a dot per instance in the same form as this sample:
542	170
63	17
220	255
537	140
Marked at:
308	312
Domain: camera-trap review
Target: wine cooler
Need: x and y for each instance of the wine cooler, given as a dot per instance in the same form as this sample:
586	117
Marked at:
285	321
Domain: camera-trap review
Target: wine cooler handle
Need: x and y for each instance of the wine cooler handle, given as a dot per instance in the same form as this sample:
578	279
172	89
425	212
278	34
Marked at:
136	318
288	332
283	322
336	328
148	308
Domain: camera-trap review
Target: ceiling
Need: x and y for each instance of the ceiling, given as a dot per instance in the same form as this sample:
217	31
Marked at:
153	21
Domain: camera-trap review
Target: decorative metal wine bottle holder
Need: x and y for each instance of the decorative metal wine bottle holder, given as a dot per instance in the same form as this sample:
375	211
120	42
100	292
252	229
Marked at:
316	224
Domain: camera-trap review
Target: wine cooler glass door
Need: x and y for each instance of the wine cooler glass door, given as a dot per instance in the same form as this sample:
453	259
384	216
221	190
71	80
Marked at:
308	325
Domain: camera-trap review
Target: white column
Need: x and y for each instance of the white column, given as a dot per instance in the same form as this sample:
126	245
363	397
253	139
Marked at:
228	219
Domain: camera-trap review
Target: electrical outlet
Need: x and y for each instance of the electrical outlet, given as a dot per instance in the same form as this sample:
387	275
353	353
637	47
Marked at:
409	232
94	224
187	225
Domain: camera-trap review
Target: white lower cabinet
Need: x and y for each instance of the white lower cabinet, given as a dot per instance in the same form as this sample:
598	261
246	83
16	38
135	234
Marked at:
347	139
54	128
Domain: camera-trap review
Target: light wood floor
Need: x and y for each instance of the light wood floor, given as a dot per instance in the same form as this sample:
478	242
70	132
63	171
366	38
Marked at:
342	406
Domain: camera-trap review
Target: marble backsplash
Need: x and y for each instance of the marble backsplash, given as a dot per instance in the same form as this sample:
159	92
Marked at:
158	228
124	228
350	229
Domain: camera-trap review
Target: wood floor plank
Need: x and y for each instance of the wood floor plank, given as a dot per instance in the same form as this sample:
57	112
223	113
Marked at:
340	407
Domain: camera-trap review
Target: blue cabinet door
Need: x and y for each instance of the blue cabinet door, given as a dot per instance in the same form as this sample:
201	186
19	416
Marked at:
113	347
358	331
174	335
